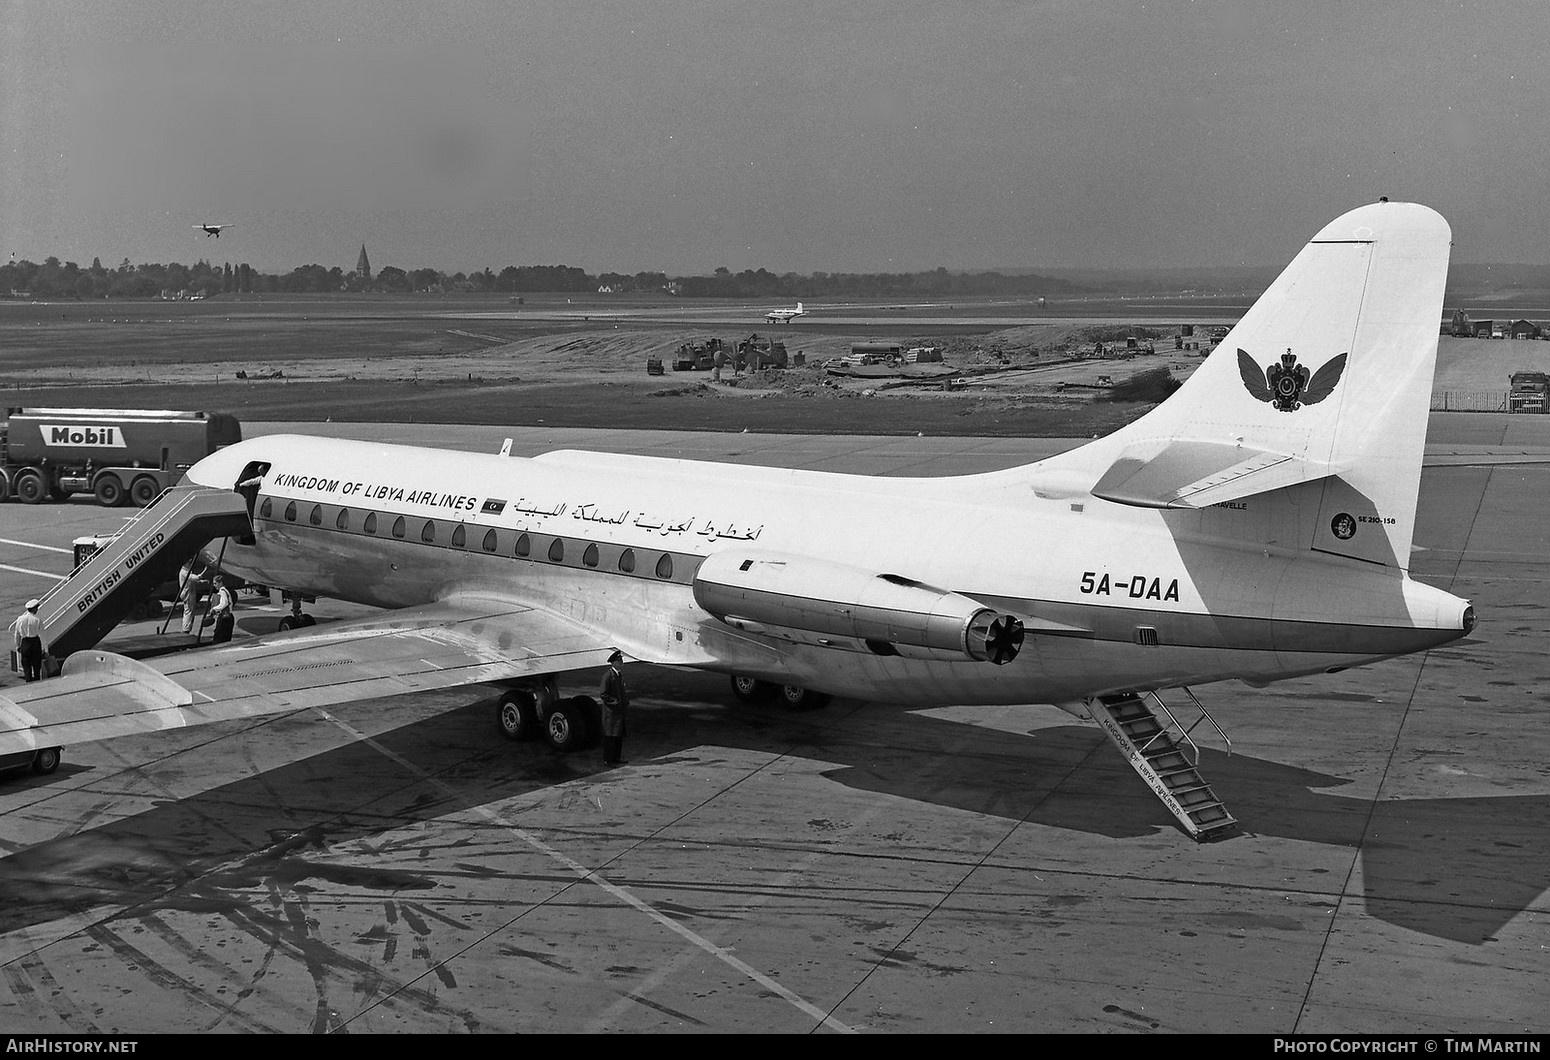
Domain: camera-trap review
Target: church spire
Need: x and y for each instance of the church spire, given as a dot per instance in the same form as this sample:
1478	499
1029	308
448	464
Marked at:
363	267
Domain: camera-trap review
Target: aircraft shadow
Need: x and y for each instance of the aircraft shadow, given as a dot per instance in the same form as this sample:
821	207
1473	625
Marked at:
1455	869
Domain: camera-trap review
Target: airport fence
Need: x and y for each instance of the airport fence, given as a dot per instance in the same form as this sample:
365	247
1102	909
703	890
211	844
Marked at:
1469	401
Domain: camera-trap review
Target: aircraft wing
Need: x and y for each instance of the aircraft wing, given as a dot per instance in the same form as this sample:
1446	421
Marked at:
453	642
1195	474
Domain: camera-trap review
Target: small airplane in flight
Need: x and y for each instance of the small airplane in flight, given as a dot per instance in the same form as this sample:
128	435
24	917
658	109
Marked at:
1256	525
785	316
213	230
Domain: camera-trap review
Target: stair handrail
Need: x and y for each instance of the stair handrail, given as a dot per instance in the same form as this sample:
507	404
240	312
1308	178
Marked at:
1207	715
1185	730
1193	760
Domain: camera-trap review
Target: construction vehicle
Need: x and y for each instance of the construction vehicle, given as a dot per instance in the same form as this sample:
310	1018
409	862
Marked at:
118	455
755	353
697	356
864	353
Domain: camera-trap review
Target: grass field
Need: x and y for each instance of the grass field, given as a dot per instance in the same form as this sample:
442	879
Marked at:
569	361
483	361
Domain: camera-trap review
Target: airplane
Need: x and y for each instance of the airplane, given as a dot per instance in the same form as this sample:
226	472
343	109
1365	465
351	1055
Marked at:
785	316
1255	525
213	230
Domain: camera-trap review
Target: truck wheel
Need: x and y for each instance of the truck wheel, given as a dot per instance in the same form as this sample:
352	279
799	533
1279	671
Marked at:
144	490
45	761
516	715
5	488
31	488
110	491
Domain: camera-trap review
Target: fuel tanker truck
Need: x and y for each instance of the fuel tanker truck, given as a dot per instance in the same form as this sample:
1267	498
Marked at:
117	455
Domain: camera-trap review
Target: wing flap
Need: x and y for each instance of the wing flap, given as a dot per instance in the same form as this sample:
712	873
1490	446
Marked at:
1186	473
443	645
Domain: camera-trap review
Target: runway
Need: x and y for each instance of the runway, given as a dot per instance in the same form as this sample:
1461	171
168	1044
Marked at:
394	866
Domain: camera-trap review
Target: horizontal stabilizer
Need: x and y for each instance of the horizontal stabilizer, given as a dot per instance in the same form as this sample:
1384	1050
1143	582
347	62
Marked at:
1184	473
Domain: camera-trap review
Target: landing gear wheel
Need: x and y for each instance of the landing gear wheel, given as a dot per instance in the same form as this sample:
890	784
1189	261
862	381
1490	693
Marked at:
110	491
795	697
30	488
307	620
297	622
751	689
144	490
517	716
566	727
45	761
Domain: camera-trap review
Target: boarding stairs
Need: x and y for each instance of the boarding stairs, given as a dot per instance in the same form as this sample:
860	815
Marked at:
80	610
1163	753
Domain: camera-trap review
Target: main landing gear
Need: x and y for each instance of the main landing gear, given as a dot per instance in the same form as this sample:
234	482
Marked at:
528	712
792	697
535	710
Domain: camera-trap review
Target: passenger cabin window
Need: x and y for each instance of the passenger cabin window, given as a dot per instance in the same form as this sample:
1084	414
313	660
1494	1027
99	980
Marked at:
428	532
370	525
524	546
400	527
290	512
489	541
627	561
665	566
316	518
589	557
459	536
342	520
557	551
267	508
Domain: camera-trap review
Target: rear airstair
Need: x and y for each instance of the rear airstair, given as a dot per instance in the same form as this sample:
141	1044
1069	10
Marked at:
79	611
1166	757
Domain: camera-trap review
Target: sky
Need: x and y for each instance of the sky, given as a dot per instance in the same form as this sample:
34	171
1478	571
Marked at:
686	135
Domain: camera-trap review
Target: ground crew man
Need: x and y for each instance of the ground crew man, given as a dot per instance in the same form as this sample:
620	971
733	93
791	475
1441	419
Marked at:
221	612
190	589
27	631
616	703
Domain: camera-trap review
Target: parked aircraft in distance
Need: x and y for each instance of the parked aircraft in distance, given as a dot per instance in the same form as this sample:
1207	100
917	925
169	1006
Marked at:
214	230
1255	525
785	316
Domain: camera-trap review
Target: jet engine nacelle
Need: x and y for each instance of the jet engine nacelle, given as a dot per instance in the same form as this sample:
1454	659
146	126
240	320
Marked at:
750	590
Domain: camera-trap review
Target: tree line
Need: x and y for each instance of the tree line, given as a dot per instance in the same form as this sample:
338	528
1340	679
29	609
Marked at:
56	279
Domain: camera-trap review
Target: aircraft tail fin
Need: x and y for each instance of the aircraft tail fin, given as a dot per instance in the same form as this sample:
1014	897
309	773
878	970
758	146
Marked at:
1322	389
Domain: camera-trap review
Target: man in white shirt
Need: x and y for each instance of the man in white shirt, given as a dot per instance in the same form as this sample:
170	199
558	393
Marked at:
28	633
221	611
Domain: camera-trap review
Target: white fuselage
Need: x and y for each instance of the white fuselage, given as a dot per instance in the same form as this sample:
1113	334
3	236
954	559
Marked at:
1114	598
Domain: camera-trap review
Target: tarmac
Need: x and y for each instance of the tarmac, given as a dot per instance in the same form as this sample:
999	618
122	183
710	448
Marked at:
395	866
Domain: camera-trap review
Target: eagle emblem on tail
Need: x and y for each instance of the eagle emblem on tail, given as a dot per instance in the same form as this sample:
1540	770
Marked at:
1288	385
